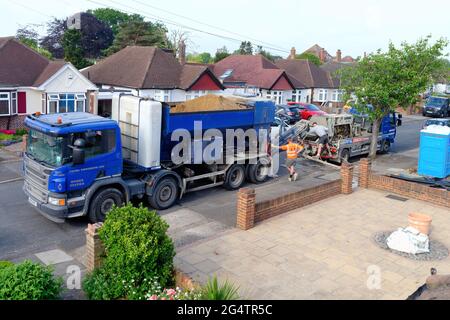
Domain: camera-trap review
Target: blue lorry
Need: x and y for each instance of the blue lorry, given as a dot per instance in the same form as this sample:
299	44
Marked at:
80	164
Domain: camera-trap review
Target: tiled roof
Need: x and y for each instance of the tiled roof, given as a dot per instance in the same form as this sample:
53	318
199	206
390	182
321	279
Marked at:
145	68
253	70
306	73
22	66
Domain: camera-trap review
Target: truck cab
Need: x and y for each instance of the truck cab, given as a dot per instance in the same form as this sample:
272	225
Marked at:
65	154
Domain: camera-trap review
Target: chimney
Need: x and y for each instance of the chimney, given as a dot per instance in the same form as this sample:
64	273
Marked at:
182	52
339	55
365	54
322	55
293	53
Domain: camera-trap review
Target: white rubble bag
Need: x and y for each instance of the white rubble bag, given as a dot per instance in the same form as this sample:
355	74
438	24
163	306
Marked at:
409	240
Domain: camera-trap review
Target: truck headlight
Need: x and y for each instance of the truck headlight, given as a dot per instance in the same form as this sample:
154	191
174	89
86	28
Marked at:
57	201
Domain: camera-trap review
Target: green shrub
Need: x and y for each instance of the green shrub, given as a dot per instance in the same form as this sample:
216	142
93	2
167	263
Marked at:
5	264
29	281
215	291
137	248
21	132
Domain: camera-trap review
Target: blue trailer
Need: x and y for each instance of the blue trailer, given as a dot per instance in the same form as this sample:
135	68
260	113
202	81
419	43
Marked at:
79	164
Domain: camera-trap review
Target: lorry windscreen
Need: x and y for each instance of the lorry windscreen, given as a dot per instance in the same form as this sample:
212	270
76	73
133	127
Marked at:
48	149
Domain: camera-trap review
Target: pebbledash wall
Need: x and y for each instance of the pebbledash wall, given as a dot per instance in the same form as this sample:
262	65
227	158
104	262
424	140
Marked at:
249	212
368	179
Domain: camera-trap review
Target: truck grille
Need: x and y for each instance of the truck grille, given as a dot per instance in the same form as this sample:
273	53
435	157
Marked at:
36	179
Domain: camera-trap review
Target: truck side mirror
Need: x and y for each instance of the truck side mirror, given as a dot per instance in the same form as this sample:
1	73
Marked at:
399	122
78	153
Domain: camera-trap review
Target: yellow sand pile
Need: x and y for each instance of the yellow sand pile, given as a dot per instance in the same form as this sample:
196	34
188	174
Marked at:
210	103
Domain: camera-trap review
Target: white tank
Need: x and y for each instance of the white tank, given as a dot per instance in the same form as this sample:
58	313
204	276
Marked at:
140	121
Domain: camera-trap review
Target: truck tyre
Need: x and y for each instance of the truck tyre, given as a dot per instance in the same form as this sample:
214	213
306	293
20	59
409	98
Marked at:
345	156
235	177
385	147
258	173
165	194
103	202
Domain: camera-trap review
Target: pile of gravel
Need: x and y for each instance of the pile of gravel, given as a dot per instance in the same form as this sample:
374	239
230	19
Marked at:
437	250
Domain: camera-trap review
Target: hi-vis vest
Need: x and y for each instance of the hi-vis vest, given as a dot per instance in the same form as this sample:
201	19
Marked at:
292	150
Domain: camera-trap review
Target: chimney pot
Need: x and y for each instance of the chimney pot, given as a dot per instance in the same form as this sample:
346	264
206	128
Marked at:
339	55
322	55
293	53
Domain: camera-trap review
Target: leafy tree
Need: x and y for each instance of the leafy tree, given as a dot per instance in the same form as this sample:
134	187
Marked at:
53	40
139	33
394	78
245	48
204	57
309	56
114	18
73	48
29	37
221	54
268	55
96	36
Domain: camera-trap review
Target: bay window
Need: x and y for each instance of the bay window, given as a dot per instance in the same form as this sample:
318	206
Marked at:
337	95
162	95
194	94
66	102
323	95
276	96
8	103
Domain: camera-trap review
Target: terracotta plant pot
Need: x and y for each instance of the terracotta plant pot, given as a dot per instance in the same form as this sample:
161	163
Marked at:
419	221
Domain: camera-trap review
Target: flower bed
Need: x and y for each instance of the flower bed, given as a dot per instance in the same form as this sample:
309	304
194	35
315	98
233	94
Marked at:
8	137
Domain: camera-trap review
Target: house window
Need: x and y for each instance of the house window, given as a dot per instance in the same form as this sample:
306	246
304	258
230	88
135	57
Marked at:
276	96
337	95
8	103
296	96
195	94
323	95
4	103
162	95
66	102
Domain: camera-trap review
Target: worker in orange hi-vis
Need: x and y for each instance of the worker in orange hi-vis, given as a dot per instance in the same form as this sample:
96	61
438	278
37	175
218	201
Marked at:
293	151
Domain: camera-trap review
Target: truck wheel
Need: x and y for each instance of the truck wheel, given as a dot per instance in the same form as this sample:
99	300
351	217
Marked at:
258	173
103	202
235	177
385	147
165	194
345	155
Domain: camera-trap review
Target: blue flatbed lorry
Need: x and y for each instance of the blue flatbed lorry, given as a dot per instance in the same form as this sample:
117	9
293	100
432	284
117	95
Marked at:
80	164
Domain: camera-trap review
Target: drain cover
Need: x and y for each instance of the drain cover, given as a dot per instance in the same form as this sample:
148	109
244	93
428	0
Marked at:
394	197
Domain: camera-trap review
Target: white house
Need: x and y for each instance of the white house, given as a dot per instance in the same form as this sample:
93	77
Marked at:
31	83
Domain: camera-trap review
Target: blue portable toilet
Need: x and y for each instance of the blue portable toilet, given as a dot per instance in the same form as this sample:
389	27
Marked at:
434	155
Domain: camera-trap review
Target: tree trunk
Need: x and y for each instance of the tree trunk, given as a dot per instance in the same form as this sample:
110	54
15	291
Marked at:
374	142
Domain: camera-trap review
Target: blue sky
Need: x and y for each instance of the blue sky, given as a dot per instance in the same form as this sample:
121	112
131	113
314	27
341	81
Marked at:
354	26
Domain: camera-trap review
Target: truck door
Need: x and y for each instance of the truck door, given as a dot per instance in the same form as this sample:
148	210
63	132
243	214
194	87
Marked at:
102	159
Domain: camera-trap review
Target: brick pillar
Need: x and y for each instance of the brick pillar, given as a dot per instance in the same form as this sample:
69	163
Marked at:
94	247
364	172
347	177
246	208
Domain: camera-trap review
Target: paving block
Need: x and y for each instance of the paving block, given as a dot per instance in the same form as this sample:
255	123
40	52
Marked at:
53	257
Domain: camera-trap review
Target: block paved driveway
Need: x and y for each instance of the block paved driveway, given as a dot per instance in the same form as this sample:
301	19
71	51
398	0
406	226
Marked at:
322	251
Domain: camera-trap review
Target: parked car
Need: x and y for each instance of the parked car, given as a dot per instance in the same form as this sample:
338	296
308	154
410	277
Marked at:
437	107
438	122
308	110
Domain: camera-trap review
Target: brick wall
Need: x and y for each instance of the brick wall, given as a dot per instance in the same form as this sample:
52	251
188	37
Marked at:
271	208
408	189
12	122
249	212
